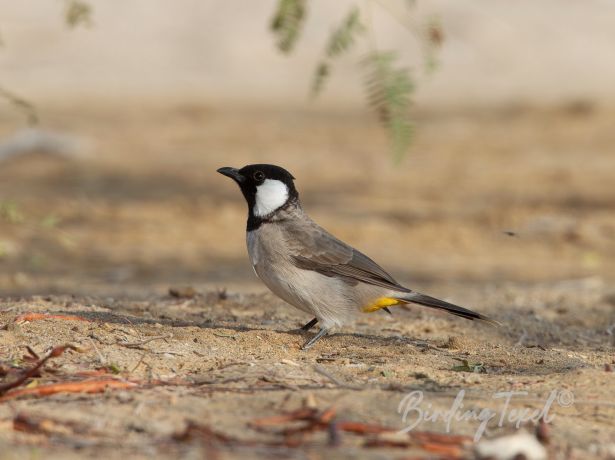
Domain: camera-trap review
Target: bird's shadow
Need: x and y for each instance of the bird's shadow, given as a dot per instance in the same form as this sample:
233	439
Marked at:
369	341
114	318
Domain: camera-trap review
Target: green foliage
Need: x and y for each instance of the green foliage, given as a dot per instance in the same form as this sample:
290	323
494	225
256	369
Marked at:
50	221
344	36
10	212
78	13
340	41
47	229
466	366
287	23
114	368
389	90
323	70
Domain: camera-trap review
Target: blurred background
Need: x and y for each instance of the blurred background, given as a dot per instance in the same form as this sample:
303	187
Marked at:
509	177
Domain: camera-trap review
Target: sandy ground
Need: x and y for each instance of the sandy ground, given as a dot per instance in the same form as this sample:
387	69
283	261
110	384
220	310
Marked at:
510	213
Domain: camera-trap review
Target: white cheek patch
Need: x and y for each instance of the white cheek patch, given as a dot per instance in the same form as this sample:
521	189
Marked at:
270	195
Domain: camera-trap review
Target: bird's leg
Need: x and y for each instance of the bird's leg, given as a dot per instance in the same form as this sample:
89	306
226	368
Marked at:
306	327
315	339
309	325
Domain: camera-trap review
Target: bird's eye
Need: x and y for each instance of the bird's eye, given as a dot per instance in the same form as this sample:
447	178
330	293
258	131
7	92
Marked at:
259	176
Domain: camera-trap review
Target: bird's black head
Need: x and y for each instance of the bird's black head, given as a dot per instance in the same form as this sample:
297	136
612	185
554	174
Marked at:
266	188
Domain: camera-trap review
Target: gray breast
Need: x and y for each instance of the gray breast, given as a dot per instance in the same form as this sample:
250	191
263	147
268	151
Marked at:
270	260
328	298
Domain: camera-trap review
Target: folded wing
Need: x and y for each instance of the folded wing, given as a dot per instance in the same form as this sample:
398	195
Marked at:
313	248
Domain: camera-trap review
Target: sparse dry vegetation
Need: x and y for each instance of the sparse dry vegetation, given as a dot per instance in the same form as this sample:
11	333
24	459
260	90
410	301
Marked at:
521	230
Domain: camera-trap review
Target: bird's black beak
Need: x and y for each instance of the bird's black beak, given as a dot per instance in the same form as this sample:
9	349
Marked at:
232	173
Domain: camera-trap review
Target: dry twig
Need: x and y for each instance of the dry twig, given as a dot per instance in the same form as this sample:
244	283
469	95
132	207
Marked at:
322	371
54	353
447	445
140	343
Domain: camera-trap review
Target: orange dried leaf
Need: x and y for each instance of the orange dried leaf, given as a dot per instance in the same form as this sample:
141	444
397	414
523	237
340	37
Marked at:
36	316
439	438
362	428
87	386
443	449
327	415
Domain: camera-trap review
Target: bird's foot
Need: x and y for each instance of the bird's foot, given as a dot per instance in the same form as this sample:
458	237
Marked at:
310	343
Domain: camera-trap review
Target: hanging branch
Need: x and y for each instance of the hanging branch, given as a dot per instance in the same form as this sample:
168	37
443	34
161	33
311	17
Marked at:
341	40
389	90
21	104
389	87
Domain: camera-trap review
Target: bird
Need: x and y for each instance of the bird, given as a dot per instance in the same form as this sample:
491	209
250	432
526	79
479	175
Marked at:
308	267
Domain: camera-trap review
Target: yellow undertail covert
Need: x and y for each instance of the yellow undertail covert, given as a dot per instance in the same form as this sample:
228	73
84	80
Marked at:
381	303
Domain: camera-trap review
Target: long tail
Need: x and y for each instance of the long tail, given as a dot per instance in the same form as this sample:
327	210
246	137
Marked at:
432	302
